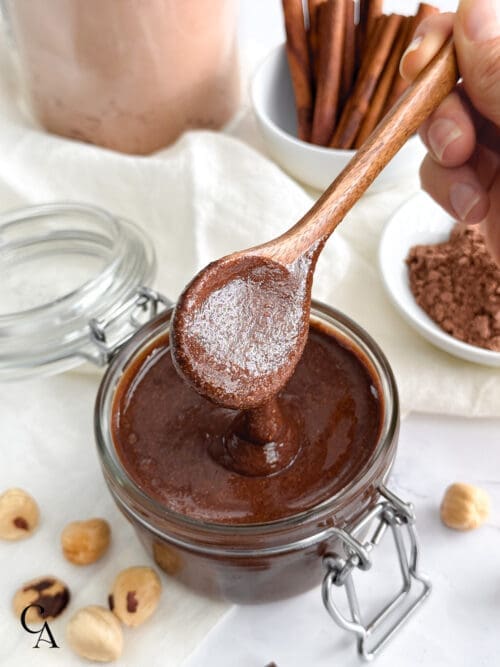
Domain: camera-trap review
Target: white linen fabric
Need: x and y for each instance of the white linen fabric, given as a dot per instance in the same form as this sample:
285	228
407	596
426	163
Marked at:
205	196
210	194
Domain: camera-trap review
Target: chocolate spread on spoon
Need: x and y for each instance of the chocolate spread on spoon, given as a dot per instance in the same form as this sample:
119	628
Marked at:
240	327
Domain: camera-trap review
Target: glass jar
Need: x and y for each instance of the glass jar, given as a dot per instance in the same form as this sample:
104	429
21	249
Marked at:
100	313
128	75
264	562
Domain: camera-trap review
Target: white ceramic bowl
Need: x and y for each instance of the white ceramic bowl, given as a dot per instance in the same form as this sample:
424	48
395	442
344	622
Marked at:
420	222
274	106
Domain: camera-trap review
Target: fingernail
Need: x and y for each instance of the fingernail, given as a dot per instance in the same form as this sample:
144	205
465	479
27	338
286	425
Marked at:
441	134
481	20
414	45
463	198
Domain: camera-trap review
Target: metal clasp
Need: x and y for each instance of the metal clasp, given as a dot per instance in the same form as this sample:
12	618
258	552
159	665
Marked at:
145	307
373	635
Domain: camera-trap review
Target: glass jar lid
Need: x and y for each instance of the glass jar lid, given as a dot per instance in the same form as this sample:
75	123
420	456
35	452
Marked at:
68	273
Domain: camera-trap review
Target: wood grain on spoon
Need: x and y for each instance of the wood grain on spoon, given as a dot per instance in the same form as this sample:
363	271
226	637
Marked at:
241	324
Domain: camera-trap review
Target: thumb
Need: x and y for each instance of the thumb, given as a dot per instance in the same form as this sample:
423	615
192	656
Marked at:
477	39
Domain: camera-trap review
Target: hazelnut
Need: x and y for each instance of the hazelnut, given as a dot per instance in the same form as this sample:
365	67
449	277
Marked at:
47	592
95	633
18	514
84	542
166	558
464	507
135	595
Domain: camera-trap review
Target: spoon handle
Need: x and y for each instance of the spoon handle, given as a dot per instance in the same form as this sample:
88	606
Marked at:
424	95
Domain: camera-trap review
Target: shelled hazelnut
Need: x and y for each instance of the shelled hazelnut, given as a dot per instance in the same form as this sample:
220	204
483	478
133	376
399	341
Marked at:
464	507
96	634
18	514
135	595
84	542
48	593
166	558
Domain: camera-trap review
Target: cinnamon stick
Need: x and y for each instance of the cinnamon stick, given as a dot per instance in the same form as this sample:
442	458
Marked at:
297	50
363	16
399	85
312	36
331	26
369	11
348	105
377	104
373	11
349	59
371	70
312	5
358	43
363	12
360	31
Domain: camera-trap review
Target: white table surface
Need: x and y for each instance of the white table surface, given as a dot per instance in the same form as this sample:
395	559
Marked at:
458	624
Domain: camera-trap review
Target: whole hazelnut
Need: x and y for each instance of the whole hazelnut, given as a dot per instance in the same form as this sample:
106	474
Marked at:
47	592
18	514
464	507
166	558
95	633
135	595
84	542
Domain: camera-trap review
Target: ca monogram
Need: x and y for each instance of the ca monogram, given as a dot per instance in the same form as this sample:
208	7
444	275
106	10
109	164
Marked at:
44	630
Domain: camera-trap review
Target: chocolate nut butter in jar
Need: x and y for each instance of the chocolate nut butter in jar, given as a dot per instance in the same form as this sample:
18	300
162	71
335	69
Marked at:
228	517
224	527
130	75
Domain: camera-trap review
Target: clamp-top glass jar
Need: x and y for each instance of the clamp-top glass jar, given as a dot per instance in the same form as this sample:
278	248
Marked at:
262	562
127	75
103	315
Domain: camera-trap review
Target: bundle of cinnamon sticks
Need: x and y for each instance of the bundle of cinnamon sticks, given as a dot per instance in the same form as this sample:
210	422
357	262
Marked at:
343	57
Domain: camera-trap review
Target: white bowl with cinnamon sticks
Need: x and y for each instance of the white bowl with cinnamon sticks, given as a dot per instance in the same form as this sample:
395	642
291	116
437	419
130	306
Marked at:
318	96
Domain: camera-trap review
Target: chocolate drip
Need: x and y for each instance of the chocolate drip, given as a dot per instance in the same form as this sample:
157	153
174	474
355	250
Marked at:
262	441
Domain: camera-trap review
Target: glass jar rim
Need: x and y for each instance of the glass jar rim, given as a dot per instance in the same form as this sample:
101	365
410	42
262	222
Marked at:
121	482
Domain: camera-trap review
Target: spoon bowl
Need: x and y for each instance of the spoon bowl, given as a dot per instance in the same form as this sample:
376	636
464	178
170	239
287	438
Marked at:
240	327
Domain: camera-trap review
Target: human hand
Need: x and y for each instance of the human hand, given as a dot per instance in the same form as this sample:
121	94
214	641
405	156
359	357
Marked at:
462	168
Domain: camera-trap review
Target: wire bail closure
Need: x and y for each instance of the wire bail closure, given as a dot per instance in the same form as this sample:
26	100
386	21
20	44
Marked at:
399	517
145	307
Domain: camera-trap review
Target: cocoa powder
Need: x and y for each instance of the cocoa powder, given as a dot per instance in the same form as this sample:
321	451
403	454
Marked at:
457	283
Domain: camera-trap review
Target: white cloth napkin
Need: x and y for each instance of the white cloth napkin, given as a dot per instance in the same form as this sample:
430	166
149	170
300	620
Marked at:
205	196
210	194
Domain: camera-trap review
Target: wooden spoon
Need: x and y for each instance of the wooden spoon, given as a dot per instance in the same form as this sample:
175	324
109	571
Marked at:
241	324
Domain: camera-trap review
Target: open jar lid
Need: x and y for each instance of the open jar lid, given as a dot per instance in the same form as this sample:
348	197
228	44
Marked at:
70	282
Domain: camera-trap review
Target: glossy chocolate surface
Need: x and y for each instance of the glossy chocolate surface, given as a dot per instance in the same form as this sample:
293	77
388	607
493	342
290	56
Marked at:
240	327
170	438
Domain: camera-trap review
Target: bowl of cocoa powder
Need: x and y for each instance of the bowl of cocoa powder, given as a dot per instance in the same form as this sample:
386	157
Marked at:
440	276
